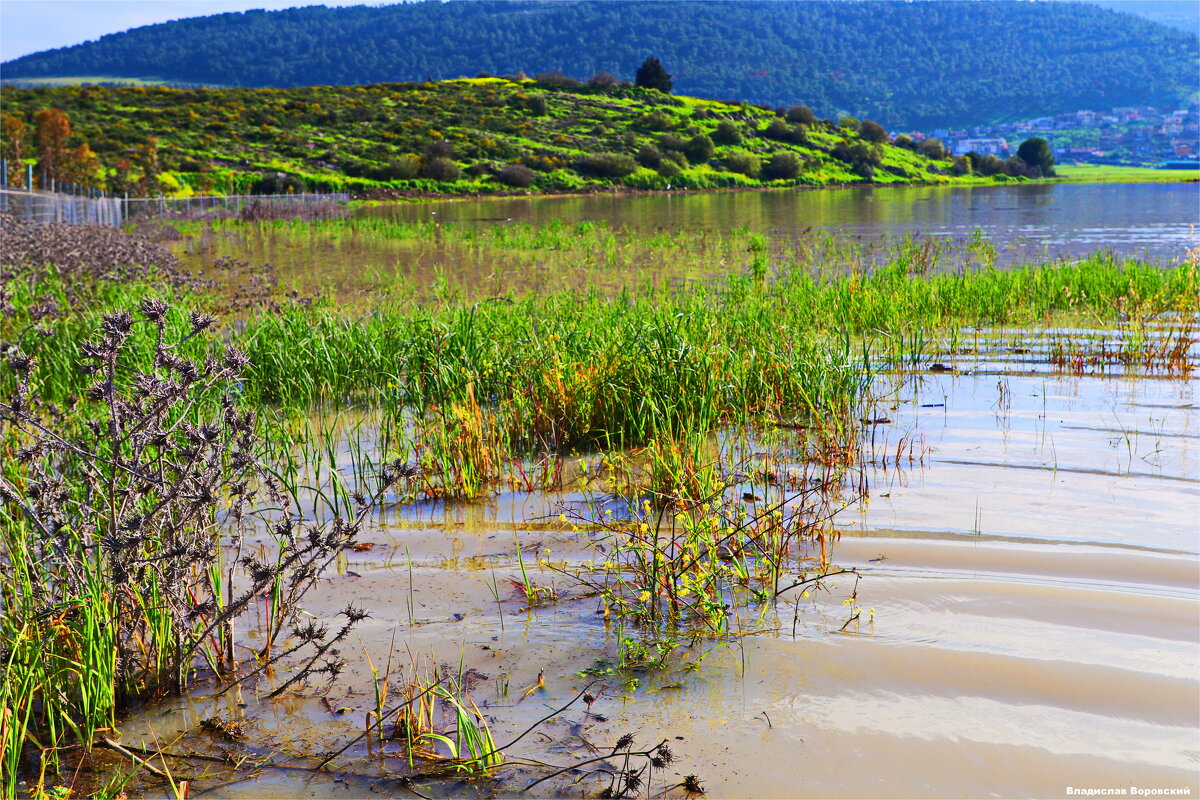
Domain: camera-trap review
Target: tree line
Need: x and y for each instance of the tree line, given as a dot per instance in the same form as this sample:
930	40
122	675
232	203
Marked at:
917	65
57	163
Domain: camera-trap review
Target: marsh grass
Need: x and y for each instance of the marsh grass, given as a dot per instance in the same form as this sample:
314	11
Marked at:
726	416
744	519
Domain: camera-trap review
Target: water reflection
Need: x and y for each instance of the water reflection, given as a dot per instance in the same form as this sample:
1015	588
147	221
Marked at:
1154	220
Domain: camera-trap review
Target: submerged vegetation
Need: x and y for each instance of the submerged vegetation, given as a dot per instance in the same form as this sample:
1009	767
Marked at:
165	471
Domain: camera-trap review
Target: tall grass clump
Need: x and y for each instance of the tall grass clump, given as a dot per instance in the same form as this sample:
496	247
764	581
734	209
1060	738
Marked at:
714	533
472	387
467	387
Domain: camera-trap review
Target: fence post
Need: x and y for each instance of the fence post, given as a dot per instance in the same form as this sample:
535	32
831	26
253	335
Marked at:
29	177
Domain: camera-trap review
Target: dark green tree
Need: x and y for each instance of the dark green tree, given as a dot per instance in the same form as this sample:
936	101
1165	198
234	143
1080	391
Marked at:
1036	153
651	75
699	149
782	166
873	132
802	115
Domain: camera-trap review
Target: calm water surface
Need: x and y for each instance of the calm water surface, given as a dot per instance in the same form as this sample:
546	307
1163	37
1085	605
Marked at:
835	229
1156	220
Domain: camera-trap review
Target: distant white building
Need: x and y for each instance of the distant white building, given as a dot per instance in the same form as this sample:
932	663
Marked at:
995	147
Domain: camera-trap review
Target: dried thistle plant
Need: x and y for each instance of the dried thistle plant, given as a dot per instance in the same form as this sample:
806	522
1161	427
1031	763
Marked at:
127	522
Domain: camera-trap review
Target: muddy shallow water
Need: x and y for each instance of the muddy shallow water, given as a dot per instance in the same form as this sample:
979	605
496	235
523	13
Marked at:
838	229
1030	622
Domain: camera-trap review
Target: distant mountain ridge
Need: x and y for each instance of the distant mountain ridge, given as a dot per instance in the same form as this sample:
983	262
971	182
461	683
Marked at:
1183	15
904	64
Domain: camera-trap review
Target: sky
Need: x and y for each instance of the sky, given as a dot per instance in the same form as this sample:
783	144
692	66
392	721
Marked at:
27	26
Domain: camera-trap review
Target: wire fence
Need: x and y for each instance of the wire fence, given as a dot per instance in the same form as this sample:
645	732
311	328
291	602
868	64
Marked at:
252	206
54	207
37	206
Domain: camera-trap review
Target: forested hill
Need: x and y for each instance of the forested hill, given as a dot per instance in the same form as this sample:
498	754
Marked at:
904	64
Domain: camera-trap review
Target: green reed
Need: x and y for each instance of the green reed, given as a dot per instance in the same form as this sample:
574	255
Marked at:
472	392
468	387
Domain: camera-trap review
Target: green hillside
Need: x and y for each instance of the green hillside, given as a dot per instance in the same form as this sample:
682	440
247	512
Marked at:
465	137
908	65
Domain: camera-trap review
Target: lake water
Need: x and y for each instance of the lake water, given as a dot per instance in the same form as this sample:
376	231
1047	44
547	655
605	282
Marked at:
836	229
1155	220
1029	560
1029	593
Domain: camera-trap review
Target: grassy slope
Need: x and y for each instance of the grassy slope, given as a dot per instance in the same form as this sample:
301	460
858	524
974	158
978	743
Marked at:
346	137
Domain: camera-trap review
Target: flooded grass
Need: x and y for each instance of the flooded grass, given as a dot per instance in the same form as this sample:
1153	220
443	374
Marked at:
489	257
693	443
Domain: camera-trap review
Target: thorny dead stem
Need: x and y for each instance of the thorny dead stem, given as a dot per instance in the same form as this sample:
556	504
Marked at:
126	515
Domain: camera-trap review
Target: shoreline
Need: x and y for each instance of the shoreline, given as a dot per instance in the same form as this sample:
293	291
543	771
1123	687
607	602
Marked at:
1143	176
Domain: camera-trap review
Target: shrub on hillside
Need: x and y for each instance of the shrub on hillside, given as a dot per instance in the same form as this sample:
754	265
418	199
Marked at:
669	169
439	149
727	133
402	168
744	163
782	166
604	80
556	78
932	148
656	121
699	149
780	131
277	183
802	115
671	141
441	169
649	156
536	105
862	158
517	176
606	165
873	132
541	163
676	157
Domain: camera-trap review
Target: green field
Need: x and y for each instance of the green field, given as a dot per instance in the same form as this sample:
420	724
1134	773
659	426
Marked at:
1103	173
90	80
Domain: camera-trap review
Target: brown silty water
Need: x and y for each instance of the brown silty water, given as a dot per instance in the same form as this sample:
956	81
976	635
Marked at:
1025	619
1027	604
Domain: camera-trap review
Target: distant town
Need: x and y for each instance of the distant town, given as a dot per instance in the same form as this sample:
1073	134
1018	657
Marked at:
1129	135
